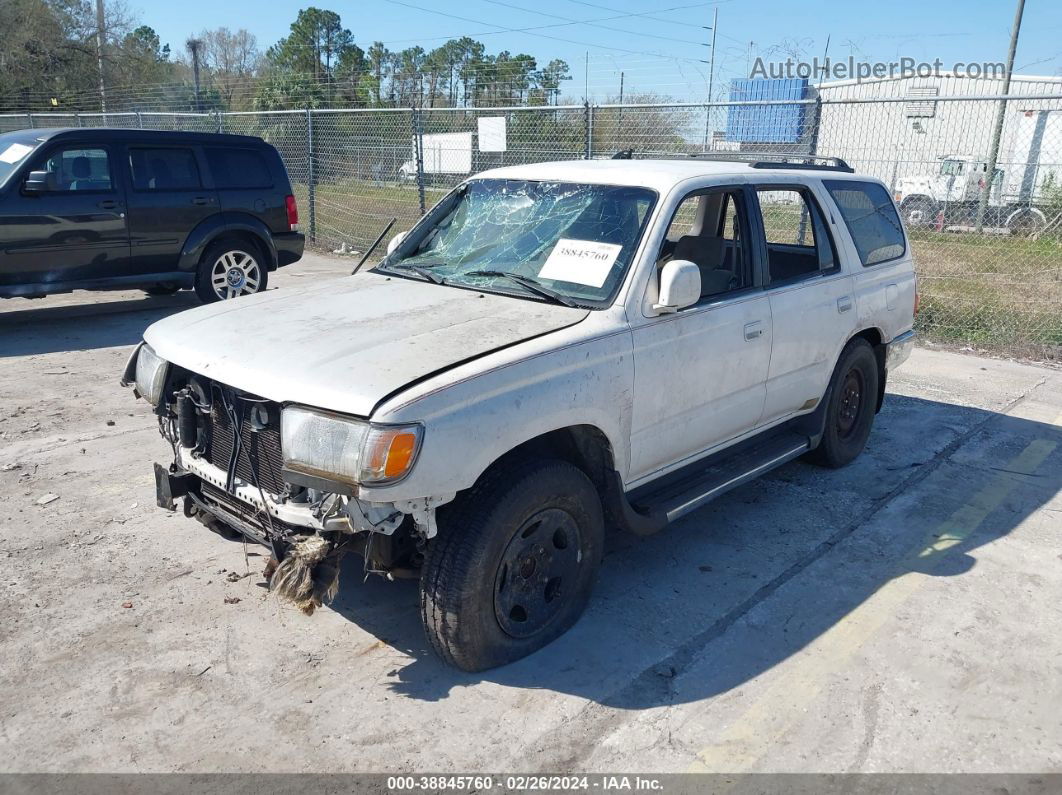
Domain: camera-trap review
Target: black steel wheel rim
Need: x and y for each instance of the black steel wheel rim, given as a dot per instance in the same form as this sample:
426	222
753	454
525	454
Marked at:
852	389
538	572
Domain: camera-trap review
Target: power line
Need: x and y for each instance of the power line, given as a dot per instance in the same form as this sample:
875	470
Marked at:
649	14
658	11
502	29
594	23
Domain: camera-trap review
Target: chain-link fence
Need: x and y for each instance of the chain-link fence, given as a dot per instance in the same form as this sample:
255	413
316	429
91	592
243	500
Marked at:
988	249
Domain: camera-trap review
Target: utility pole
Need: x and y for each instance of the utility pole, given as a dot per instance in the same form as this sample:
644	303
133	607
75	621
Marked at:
194	46
997	132
711	80
586	77
100	34
711	62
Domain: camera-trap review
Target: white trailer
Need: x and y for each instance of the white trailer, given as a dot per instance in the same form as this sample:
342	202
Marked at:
444	153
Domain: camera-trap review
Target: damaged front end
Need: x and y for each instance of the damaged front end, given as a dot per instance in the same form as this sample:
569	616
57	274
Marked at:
244	467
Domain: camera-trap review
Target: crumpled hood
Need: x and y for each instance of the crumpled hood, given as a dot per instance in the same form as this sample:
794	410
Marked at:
345	344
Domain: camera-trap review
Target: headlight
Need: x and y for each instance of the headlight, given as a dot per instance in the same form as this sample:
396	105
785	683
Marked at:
150	374
340	448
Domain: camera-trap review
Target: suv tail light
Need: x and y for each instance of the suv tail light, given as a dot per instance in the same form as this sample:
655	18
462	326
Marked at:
293	212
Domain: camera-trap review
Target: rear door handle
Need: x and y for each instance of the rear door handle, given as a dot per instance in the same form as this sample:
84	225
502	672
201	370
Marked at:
108	204
201	200
754	330
844	303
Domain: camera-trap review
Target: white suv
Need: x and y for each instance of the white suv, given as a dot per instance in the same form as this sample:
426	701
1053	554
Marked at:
552	349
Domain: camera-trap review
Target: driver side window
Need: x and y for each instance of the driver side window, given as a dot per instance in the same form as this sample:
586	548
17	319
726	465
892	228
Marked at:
76	169
708	229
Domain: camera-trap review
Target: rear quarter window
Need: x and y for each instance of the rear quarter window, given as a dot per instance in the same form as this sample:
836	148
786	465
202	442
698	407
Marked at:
243	169
871	218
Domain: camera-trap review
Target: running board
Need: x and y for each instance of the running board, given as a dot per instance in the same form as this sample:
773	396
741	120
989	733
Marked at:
703	481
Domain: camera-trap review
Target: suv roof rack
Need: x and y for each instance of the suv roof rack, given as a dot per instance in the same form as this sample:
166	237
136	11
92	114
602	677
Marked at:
754	159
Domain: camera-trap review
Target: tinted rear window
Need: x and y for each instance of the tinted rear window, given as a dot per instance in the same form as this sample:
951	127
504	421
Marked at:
164	169
239	168
871	217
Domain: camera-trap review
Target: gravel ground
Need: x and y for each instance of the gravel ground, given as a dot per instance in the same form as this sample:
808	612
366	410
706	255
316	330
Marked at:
899	615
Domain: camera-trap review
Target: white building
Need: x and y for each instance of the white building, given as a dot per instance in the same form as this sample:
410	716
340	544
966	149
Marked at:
897	127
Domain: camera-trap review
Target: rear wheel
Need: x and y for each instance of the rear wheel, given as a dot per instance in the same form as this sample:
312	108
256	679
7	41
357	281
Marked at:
230	269
852	400
513	565
1025	224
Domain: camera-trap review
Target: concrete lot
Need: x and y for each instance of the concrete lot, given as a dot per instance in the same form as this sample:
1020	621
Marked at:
902	614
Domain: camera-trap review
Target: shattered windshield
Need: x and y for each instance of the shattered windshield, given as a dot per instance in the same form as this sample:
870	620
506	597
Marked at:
569	243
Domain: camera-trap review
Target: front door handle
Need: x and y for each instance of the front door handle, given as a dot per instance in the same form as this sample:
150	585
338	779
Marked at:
108	204
844	303
754	330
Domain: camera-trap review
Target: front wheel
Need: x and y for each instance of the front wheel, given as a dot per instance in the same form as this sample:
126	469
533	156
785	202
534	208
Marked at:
852	400
513	565
918	212
229	270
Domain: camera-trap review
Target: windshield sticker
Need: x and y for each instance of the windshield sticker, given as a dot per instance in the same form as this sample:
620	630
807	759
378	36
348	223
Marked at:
580	262
14	153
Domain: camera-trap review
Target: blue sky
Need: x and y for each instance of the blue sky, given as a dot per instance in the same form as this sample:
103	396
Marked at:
975	30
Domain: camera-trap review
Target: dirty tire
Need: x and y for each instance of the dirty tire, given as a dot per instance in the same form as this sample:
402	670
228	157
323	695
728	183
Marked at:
918	212
210	266
162	289
530	531
853	396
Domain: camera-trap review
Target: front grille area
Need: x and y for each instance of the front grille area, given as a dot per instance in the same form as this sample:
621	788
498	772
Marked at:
260	459
230	506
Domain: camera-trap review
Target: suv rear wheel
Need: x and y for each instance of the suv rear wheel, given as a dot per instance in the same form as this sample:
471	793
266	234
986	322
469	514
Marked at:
513	565
230	269
850	412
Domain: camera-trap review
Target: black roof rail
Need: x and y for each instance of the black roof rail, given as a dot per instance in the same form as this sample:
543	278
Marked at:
827	164
755	159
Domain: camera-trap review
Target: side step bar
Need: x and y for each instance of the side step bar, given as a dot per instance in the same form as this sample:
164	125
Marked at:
700	483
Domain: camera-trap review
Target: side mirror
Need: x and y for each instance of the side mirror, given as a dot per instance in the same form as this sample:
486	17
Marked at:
396	241
680	286
36	182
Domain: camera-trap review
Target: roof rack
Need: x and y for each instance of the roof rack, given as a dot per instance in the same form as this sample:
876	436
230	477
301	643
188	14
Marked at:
754	159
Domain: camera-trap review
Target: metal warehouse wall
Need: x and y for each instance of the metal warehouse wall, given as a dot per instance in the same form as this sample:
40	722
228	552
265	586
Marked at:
897	139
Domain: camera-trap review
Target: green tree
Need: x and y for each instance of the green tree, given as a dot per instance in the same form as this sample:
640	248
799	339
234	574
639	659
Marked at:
379	61
282	90
407	76
318	48
470	66
548	82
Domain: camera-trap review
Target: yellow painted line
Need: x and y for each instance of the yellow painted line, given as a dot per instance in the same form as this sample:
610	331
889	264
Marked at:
803	677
